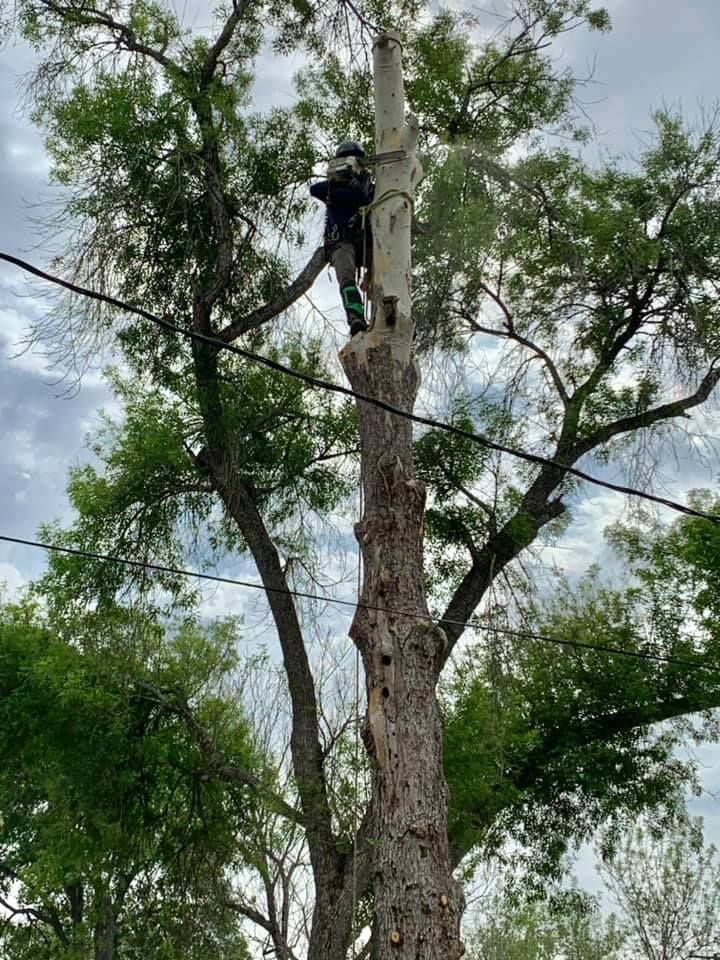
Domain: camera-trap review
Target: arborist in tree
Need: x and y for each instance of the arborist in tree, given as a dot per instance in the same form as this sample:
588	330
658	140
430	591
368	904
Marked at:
348	244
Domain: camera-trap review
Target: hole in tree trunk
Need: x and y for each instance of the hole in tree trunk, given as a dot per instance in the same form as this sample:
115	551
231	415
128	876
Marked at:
387	659
390	309
385	692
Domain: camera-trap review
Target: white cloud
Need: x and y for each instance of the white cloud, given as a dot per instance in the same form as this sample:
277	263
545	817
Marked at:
29	153
24	452
223	600
15	346
11	581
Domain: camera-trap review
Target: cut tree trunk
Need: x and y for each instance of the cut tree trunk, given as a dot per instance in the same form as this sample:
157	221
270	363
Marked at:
417	904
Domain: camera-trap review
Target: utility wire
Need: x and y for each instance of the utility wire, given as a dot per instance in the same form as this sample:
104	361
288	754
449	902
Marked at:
346	391
408	614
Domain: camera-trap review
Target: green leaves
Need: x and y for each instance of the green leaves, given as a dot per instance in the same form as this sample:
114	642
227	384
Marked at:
100	792
678	570
150	499
589	288
475	744
169	171
620	246
546	740
437	70
289	444
568	921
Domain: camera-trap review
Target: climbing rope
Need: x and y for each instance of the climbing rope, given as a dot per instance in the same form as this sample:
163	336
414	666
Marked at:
388	195
364	214
367	319
356	746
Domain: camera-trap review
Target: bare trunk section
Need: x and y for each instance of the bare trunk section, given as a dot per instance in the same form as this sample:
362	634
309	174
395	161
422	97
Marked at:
417	903
392	214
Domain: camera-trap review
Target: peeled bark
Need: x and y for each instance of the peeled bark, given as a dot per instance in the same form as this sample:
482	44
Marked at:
417	902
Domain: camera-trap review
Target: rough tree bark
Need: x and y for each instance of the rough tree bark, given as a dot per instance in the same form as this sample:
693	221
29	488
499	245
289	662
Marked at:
417	903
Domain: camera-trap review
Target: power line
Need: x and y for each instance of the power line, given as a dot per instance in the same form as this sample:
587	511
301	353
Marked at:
599	647
408	614
318	383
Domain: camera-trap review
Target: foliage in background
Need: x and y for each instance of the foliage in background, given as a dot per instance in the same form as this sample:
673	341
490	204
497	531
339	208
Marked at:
111	828
568	925
666	885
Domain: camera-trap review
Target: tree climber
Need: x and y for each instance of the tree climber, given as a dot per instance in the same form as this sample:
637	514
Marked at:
347	245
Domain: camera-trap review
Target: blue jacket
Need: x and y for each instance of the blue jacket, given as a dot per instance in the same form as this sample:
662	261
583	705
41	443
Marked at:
343	203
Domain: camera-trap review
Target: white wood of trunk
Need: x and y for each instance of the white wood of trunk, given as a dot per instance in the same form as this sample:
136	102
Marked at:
391	216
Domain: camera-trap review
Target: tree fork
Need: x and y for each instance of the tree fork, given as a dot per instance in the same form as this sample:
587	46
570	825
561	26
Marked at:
417	903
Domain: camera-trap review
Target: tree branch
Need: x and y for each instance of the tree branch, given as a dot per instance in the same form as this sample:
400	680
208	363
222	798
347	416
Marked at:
666	411
512	334
88	16
226	35
537	507
305	738
553	746
300	285
605	727
49	917
247	911
270	925
219	766
514	49
205	299
211	344
536	510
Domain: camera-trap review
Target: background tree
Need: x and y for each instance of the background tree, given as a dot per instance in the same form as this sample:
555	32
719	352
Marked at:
593	290
569	925
569	735
667	887
113	836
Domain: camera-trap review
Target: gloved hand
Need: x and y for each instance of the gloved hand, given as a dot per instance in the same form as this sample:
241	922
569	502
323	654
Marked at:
339	169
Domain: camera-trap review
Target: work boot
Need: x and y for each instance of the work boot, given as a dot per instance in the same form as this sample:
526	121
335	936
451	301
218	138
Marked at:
357	326
352	301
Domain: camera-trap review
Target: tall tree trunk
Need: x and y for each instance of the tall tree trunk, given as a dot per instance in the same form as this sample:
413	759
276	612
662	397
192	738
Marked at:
332	919
417	903
105	932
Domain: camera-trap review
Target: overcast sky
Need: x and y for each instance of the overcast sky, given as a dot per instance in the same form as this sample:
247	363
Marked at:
658	52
